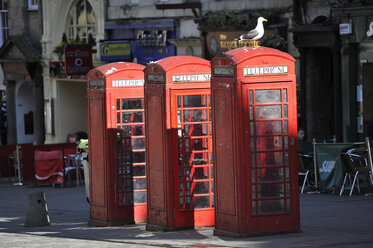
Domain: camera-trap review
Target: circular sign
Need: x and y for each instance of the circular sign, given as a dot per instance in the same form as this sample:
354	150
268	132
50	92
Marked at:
78	61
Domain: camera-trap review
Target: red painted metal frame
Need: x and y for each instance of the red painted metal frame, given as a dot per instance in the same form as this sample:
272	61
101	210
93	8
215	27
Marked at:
238	188
161	91
108	205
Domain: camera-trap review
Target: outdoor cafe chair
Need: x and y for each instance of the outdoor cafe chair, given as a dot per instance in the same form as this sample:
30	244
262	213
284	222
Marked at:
353	164
303	172
72	163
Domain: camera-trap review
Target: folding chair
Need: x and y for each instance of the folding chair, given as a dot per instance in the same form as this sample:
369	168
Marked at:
303	172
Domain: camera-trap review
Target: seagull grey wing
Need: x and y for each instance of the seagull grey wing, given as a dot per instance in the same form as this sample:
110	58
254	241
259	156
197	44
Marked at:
251	34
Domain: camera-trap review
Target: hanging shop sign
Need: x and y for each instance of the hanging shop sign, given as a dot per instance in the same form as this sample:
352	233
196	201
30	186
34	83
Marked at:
78	60
115	51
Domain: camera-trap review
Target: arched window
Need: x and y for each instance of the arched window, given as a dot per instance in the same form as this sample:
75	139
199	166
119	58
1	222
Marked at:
81	21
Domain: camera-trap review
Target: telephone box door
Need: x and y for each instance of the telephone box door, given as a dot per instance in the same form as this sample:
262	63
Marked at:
269	124
193	171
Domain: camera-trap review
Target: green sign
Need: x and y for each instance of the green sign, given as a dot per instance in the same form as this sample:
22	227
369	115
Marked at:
329	164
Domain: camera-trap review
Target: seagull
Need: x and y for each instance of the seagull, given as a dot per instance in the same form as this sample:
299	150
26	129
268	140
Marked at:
256	33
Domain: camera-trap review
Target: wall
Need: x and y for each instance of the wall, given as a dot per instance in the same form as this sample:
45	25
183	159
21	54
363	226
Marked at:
24	104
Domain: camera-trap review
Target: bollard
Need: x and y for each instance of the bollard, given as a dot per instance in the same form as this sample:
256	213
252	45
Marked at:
37	210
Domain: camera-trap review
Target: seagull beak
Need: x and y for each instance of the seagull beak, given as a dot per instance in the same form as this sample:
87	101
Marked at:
265	20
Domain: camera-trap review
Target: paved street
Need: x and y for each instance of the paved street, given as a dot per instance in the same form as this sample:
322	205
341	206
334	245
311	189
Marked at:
326	220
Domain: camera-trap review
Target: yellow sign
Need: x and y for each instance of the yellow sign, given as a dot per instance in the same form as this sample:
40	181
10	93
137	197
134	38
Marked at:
115	49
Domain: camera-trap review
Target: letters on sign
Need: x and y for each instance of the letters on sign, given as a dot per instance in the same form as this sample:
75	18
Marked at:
131	82
269	70
191	78
327	166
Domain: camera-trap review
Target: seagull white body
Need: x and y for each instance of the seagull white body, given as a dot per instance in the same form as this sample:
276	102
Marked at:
256	33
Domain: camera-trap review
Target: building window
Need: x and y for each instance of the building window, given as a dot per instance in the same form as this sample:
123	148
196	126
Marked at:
3	21
32	5
81	21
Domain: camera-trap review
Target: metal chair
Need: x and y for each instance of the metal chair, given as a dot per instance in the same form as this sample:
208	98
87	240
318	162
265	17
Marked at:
303	172
72	163
353	164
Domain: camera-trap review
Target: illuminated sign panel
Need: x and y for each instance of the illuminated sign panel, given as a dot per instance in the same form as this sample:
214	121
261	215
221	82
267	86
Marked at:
191	78
126	83
269	70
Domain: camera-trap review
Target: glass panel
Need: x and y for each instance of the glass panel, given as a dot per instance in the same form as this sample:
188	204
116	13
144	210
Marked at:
252	160
132	117
188	202
132	104
251	113
272	206
187	159
139	171
128	131
253	205
178	116
198	115
201	173
267	96
253	191
181	189
285	93
268	112
253	178
118	104
211	158
285	127
287	174
212	172
179	101
138	144
181	178
195	130
286	158
139	183
251	101
200	159
268	127
269	143
139	197
197	144
187	174
180	159
138	157
201	202
201	188
194	101
187	189
286	142
118	118
252	144
212	187
270	174
287	189
180	145
285	111
269	158
270	190
288	205
251	128
128	198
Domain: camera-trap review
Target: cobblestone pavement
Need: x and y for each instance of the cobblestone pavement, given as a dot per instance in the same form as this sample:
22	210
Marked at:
326	221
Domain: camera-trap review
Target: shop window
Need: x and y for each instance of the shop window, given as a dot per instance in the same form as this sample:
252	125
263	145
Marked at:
32	4
81	21
3	21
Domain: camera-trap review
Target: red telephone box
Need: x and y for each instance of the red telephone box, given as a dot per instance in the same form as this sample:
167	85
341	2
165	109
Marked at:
116	135
254	137
178	143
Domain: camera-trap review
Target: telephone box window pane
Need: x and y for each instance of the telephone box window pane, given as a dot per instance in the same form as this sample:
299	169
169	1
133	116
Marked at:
201	188
267	96
251	101
129	131
285	111
201	202
268	127
194	101
252	144
286	142
287	189
139	171
180	145
178	116
138	157
139	183
201	173
286	158
118	104
286	127
181	178
251	128
285	93
251	113
128	198
253	192
139	197
252	160
270	190
211	158
200	159
197	144
212	172
187	174
270	174
268	112
195	115
138	144
187	189
287	174
253	178
128	184
118	118
253	205
195	130
270	158
288	205
179	101
187	159
271	206
188	202
181	189
269	143
132	117
132	103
